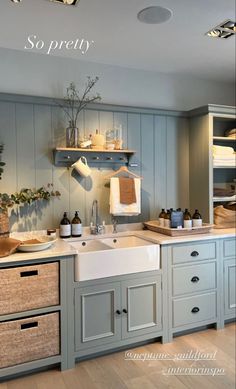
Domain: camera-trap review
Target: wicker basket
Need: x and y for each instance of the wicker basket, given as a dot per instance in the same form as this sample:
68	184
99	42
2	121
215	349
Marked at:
4	225
29	339
29	287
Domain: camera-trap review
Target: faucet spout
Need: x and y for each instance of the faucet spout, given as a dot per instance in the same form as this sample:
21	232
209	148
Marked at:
95	227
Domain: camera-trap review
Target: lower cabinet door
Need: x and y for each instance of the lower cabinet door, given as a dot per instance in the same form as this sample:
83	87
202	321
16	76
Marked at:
97	315
141	306
229	288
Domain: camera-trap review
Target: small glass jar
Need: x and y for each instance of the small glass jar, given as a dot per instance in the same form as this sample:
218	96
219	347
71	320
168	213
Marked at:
72	135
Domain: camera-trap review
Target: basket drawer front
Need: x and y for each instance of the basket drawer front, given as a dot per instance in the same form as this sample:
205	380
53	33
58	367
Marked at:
29	339
230	248
194	309
29	287
196	278
193	252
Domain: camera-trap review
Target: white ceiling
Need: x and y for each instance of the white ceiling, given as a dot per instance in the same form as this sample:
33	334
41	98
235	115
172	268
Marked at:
177	46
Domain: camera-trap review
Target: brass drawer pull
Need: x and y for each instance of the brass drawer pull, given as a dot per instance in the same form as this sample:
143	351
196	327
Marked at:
195	279
25	326
29	273
195	310
194	253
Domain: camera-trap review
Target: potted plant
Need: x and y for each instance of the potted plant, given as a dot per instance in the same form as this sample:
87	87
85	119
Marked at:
74	102
24	196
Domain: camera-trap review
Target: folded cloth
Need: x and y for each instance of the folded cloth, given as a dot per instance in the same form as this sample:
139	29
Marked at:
225	157
224	218
8	246
222	192
118	209
127	190
220	162
231	133
222	149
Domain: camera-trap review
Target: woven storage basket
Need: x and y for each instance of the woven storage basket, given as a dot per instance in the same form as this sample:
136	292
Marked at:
4	225
28	287
29	339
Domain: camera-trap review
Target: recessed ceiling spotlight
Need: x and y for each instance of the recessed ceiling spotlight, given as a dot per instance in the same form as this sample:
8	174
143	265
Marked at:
223	30
16	1
154	15
66	2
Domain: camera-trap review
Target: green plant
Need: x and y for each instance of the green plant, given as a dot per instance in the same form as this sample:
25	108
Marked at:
27	196
75	100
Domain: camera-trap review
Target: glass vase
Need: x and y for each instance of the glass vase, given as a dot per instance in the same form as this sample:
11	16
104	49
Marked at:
72	136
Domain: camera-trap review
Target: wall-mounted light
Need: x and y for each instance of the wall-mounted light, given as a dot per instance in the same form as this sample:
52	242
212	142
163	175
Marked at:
223	30
65	2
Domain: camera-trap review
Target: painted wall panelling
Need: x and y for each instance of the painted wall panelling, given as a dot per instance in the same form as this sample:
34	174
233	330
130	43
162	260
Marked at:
34	129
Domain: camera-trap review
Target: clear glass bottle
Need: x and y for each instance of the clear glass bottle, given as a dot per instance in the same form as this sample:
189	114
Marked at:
197	219
162	218
76	226
167	221
65	227
187	219
72	135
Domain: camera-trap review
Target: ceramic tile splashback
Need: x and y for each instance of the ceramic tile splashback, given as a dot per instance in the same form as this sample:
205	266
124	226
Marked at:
30	131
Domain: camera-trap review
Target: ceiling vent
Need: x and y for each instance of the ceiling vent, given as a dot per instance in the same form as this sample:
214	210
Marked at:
224	30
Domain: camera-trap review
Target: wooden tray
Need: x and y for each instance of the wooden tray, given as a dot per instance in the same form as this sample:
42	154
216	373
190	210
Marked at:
153	225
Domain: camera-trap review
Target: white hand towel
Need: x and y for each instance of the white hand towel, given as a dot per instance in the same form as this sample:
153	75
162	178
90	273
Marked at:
222	150
118	209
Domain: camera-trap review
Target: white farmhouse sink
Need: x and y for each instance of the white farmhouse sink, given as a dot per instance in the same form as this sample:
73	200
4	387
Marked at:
106	257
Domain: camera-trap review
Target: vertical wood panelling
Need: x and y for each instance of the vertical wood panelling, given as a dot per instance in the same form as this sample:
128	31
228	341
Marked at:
134	142
177	162
61	176
25	168
147	166
30	132
8	182
43	161
160	164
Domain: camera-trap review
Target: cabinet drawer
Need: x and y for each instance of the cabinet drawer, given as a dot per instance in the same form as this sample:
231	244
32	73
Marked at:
196	278
29	287
193	252
194	309
229	247
29	339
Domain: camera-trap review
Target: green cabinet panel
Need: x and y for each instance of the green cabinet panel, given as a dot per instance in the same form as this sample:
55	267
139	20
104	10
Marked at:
193	251
230	288
116	311
142	301
95	315
229	247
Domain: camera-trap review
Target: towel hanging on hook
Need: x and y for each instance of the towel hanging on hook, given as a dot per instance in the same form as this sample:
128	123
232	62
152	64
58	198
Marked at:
123	169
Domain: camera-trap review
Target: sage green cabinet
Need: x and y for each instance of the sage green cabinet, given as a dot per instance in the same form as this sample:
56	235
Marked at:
229	288
116	311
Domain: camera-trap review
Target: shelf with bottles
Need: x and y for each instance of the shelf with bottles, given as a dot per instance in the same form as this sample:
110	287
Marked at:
67	156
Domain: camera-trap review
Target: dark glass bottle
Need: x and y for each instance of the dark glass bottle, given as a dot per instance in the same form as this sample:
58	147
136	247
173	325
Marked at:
162	217
187	219
197	219
76	226
65	227
167	221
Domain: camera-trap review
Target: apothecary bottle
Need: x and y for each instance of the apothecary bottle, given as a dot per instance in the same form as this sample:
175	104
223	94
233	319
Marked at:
187	219
76	226
197	219
167	221
162	218
65	227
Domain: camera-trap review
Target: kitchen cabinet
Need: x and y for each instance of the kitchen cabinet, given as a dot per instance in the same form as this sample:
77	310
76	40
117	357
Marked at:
229	280
193	281
207	128
113	312
33	314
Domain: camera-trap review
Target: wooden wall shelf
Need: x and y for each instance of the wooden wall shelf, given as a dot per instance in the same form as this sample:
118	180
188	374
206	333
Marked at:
67	156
